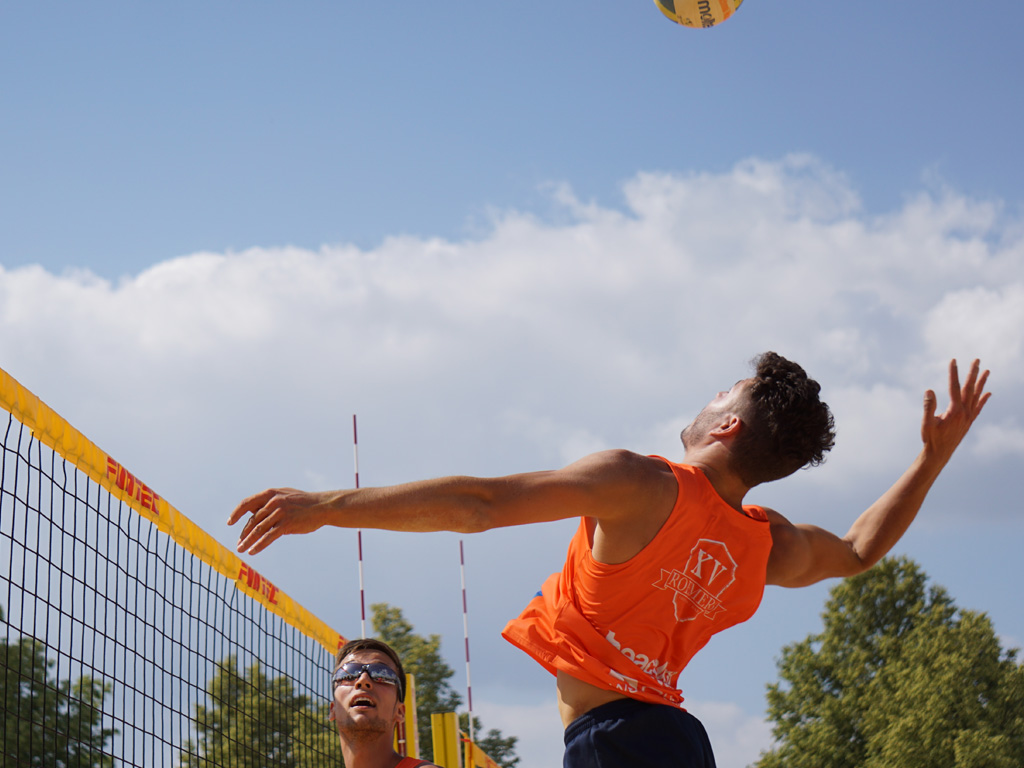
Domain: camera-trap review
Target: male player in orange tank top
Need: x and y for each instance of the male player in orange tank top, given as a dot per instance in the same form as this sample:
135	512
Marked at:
762	429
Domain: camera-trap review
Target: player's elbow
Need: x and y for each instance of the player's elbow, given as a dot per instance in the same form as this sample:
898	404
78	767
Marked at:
811	556
487	512
475	518
857	561
476	512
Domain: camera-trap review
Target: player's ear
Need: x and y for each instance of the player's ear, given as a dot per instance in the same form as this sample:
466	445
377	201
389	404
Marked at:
400	713
728	426
330	712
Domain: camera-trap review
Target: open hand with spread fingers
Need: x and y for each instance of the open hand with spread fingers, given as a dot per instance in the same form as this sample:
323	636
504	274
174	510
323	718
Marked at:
942	433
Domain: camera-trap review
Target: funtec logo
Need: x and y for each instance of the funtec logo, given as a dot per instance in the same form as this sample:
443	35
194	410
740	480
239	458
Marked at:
257	583
133	487
698	588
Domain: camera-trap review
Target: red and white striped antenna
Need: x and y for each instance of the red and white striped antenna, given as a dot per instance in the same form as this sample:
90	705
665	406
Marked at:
465	628
359	535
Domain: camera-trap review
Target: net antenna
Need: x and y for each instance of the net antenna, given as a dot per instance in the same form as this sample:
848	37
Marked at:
465	628
359	534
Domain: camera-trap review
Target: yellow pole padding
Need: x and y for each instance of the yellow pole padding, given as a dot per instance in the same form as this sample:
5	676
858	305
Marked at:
407	737
444	728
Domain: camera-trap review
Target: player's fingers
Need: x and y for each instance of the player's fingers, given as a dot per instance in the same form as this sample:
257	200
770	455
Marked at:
254	536
251	504
971	383
929	403
263	542
929	414
979	392
981	403
955	394
250	524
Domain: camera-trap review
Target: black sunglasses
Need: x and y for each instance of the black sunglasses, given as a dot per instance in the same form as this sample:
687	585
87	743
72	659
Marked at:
379	673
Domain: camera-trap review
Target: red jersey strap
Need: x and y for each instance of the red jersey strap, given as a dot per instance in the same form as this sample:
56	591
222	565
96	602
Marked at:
412	762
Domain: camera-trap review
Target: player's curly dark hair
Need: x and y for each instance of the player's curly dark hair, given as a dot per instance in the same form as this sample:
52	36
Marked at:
787	426
372	644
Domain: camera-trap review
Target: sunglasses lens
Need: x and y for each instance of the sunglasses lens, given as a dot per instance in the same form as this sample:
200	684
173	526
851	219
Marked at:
379	673
384	675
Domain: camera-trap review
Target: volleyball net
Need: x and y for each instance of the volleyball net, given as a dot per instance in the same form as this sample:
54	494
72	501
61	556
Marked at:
130	636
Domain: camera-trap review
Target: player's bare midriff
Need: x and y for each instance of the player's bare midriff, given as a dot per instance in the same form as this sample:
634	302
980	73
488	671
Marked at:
576	697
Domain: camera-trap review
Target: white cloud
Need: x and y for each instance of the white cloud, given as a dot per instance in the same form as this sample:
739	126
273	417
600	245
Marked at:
538	726
986	322
998	440
703	268
566	441
737	737
877	429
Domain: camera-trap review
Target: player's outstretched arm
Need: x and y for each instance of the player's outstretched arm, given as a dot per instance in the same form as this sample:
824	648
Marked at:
803	555
604	485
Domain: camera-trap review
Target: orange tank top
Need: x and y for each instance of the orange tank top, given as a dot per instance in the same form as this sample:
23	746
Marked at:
632	627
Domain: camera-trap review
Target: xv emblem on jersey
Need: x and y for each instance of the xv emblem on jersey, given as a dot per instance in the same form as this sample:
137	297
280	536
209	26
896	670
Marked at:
709	571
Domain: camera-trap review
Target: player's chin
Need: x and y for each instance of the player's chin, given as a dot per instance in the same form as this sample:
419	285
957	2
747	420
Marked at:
365	723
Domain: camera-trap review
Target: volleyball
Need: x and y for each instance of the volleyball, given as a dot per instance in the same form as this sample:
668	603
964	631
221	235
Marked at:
698	13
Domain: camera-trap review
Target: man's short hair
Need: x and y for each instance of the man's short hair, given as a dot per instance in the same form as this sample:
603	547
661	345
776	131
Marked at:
371	644
787	426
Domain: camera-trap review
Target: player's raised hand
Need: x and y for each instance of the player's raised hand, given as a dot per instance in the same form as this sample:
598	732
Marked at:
276	512
942	433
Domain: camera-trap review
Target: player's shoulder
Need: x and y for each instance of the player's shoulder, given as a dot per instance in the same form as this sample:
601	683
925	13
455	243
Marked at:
784	533
616	458
624	465
781	527
790	545
620	483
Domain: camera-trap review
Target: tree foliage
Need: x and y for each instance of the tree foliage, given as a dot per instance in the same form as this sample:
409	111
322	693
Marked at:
421	656
253	721
899	676
46	722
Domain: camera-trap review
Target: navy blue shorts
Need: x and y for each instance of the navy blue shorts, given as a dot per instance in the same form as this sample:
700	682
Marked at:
627	733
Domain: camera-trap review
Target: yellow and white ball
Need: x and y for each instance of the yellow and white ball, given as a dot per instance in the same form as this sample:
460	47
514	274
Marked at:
698	13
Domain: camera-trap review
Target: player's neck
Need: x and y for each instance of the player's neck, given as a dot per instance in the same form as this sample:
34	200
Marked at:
370	754
727	484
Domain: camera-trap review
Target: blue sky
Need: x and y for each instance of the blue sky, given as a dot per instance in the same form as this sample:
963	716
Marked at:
505	235
135	133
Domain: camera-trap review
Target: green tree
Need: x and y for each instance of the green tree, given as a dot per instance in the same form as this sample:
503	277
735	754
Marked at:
253	721
421	657
899	676
46	722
